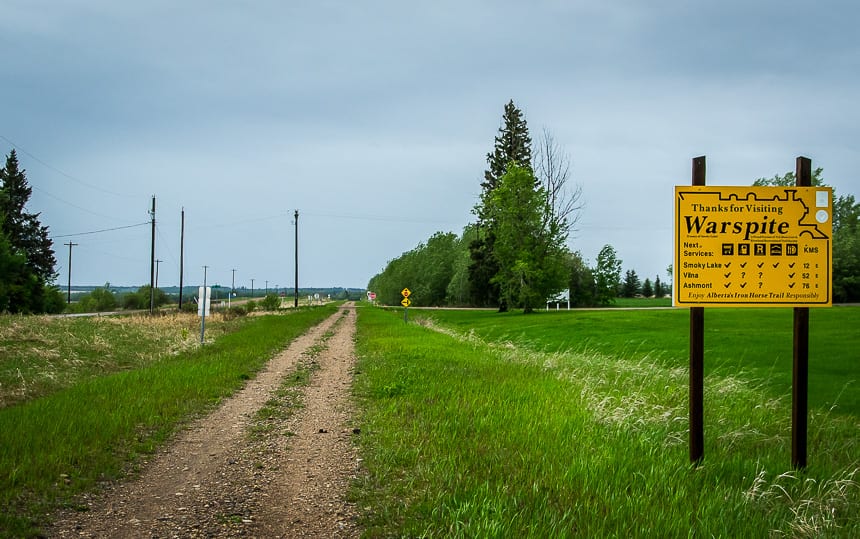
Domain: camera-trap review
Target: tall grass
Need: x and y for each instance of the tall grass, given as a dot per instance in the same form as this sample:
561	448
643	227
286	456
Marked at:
56	446
41	354
470	437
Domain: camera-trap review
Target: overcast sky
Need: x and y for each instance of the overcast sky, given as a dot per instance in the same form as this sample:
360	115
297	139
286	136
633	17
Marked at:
374	119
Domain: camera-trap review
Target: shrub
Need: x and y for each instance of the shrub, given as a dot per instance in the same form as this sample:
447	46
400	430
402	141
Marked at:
140	300
99	300
271	302
234	312
55	300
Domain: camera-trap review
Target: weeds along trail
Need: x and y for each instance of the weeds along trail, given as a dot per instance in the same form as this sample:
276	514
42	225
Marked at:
273	460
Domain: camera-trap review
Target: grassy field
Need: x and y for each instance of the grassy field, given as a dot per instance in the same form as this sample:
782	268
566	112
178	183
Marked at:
755	342
94	427
575	424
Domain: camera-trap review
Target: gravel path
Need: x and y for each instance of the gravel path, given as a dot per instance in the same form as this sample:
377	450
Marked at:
233	475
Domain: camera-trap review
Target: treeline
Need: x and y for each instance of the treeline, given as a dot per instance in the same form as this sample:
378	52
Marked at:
437	275
107	298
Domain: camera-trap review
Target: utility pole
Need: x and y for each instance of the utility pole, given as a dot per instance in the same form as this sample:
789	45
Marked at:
252	288
70	244
267	287
202	301
152	262
181	256
157	265
232	288
296	297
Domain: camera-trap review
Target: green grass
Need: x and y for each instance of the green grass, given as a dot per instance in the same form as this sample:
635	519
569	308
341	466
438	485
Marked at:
524	432
753	341
56	446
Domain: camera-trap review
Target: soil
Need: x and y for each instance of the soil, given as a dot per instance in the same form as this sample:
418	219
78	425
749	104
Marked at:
221	478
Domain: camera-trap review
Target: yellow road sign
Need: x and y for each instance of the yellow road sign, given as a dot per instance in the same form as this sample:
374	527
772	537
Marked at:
405	292
406	302
753	246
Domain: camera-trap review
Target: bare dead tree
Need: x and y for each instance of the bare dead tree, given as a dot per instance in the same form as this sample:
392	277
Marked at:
552	172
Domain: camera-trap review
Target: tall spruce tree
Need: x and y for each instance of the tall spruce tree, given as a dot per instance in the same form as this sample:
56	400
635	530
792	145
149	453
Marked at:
512	145
26	238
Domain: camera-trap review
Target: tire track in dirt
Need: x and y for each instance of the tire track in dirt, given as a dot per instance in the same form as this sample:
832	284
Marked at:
214	480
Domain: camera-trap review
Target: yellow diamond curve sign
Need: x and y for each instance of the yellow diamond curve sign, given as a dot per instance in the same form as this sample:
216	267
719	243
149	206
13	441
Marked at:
406	302
753	246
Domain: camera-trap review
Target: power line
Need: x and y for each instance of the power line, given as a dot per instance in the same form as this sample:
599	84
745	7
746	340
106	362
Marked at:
99	231
55	197
165	243
65	174
390	219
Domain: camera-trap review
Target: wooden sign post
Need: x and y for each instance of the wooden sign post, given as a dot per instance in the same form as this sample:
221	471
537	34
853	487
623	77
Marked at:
752	246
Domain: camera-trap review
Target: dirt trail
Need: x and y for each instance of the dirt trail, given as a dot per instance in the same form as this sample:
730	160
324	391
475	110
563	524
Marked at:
216	480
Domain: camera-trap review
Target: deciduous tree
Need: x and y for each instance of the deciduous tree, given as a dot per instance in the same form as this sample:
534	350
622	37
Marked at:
427	270
607	275
846	235
581	282
846	249
529	245
552	170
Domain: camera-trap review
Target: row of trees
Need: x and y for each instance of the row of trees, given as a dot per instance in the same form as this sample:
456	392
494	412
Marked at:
437	274
104	299
26	252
